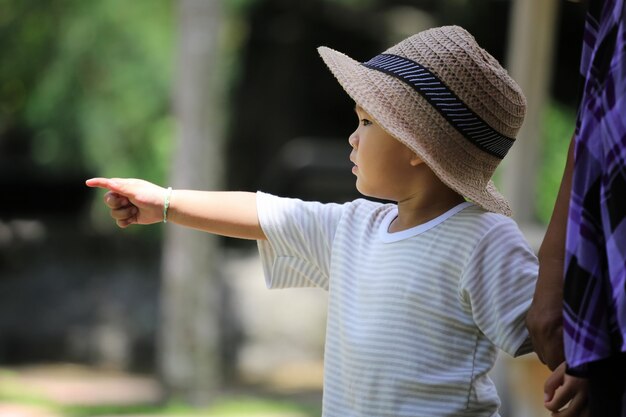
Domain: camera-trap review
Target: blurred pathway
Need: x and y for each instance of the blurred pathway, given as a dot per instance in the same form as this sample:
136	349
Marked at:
70	385
20	410
37	391
281	356
67	384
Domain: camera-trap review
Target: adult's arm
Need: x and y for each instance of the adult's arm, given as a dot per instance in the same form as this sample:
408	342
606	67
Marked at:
545	317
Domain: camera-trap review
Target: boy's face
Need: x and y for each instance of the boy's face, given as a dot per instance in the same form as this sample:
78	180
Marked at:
382	164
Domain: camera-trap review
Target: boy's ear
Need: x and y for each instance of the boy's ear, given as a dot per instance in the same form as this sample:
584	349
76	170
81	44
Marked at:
415	160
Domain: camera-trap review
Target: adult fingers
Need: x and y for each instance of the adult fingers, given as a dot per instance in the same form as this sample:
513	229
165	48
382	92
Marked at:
577	408
554	381
572	393
561	398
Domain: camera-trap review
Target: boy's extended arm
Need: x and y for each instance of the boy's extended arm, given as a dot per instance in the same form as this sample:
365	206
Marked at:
134	201
545	317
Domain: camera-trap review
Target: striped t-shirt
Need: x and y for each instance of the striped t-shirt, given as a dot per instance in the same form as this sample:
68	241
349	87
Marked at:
415	317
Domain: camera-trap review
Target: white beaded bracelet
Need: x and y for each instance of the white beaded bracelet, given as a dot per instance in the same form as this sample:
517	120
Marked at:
166	204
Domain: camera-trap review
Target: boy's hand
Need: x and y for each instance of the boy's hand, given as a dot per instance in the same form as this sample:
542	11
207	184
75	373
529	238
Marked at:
566	395
132	201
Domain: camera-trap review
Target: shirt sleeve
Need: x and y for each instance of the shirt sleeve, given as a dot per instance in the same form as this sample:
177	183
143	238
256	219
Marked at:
299	234
498	284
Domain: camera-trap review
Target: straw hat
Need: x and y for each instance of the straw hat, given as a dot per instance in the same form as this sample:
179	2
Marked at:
445	98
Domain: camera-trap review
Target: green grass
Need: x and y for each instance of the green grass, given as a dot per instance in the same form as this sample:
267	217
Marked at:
12	391
229	407
225	406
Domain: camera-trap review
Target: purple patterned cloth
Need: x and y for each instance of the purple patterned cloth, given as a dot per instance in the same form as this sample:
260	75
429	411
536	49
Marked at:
595	264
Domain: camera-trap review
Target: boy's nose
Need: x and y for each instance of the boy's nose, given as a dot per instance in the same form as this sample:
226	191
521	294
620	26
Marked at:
352	140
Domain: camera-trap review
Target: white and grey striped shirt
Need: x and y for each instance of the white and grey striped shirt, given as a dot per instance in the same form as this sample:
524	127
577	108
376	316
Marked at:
415	317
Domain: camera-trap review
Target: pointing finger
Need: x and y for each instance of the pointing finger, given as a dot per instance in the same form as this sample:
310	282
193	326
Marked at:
107	183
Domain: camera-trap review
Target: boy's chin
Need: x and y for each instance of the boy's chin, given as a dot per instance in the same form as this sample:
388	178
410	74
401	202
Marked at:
372	195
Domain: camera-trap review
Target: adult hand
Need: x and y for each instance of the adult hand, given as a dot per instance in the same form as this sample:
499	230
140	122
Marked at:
132	201
566	395
544	319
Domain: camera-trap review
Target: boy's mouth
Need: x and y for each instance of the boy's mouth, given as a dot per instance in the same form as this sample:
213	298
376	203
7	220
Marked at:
355	167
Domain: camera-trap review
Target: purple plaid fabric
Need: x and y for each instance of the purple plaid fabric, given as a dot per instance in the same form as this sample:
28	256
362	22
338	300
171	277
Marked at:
595	265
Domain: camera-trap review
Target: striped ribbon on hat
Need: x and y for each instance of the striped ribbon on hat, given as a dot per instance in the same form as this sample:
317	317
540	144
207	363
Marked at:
448	104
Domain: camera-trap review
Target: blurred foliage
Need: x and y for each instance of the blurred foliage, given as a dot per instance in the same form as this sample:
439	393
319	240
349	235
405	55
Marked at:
355	4
558	127
87	84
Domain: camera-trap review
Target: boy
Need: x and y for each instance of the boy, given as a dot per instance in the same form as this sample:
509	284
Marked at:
422	292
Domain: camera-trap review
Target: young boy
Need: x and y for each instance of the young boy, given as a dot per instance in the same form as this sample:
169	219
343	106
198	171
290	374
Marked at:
422	293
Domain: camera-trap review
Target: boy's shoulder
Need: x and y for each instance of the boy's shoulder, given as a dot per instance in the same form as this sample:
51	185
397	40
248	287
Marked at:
471	218
365	209
483	221
480	214
491	231
367	204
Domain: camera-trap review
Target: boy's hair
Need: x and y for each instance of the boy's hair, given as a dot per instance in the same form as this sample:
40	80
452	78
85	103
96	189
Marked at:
447	99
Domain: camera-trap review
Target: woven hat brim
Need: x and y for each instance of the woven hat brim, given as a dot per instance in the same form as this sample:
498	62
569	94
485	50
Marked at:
454	164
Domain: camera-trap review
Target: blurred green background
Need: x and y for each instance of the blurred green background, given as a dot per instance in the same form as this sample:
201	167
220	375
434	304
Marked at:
87	88
85	85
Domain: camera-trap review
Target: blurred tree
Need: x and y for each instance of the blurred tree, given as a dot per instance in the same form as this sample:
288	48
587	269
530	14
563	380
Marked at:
86	85
557	129
191	330
84	90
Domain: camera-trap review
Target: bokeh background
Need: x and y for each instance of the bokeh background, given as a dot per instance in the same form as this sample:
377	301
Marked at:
213	94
